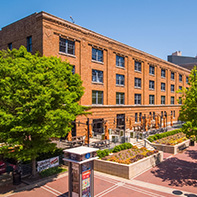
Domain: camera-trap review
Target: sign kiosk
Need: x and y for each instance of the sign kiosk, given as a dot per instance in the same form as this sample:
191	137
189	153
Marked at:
81	173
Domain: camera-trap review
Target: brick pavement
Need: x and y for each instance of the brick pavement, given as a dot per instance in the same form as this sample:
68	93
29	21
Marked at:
177	174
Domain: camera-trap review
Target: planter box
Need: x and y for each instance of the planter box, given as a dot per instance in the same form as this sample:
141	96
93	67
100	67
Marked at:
128	171
172	149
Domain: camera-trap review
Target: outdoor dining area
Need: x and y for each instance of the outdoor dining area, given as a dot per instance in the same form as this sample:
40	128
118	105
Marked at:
145	126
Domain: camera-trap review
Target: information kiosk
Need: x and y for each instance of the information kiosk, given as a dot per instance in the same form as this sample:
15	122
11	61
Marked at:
81	171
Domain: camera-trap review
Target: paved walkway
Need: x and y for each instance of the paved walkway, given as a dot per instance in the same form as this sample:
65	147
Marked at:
176	176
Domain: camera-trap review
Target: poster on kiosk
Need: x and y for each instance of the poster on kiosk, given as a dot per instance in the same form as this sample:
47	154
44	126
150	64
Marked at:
81	171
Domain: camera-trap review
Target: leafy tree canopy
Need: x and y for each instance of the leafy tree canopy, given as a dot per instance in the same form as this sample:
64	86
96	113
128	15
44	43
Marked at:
188	112
38	100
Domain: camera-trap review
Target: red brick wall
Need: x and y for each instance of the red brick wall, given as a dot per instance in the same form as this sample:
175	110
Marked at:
46	29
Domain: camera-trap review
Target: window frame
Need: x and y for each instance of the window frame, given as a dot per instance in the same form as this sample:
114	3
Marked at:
66	44
172	99
138	99
163	88
151	70
119	80
29	43
172	74
163	103
151	99
98	57
151	85
138	66
97	97
172	85
120	98
137	82
163	71
98	74
120	63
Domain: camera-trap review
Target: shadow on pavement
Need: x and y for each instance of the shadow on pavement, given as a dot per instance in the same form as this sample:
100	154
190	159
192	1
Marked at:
191	153
177	172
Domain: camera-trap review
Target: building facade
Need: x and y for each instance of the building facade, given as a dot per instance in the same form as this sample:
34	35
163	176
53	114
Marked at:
121	83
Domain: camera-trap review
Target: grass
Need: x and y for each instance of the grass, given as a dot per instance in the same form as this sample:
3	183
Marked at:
52	171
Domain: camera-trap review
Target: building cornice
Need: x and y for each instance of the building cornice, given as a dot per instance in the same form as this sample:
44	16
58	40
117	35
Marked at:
83	30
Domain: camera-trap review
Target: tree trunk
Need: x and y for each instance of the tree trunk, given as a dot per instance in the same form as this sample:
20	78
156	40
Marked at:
33	166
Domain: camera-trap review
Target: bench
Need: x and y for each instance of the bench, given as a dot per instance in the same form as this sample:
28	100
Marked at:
100	144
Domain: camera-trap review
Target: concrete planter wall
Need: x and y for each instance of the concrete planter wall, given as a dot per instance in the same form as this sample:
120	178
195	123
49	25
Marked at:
128	171
172	149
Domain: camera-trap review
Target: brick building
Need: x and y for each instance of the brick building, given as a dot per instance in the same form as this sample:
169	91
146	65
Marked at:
120	81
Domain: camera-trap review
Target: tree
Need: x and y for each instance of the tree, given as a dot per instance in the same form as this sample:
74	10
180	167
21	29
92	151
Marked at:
38	100
188	112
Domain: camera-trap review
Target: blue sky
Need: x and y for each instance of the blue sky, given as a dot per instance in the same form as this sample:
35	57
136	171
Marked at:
158	27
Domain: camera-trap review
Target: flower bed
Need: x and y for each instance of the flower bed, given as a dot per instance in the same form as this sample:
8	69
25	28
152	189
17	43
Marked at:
172	140
129	156
172	144
129	162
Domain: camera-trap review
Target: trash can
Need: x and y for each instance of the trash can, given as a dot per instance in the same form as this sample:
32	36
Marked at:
16	177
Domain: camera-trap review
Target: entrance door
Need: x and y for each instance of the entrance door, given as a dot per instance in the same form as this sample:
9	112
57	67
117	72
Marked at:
98	126
120	121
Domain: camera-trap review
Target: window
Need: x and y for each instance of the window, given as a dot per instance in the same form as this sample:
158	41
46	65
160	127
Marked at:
180	78
163	86
163	73
119	98
97	55
140	116
97	97
163	98
151	99
119	61
137	83
172	100
180	100
172	88
138	66
150	113
151	70
151	85
119	79
138	99
174	114
187	80
73	70
10	46
97	76
161	114
180	87
67	46
136	117
172	75
153	115
29	44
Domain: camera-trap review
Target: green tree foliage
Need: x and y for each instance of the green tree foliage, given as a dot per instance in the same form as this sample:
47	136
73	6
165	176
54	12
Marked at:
38	100
188	112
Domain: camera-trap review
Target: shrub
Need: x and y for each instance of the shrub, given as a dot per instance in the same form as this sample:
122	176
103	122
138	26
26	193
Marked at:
52	171
123	146
162	135
103	153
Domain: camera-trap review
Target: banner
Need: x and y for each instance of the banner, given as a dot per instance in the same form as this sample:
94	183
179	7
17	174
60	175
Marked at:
47	163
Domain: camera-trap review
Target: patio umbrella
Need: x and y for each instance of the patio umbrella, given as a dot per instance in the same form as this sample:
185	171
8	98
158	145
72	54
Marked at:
171	122
69	137
164	121
90	130
86	139
130	123
106	131
146	124
156	122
